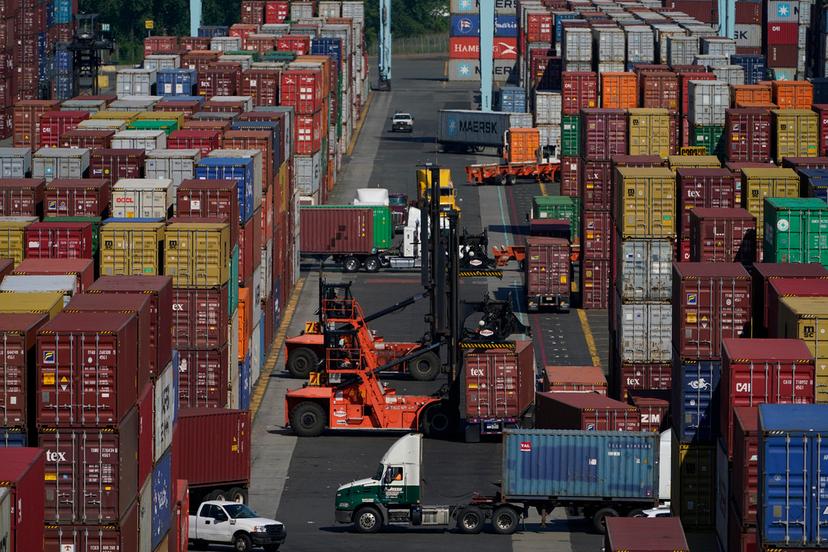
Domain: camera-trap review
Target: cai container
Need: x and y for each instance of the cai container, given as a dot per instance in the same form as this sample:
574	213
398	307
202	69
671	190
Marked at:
85	197
585	411
722	235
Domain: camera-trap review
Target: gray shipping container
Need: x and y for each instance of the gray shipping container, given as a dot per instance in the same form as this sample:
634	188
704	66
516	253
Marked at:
307	172
645	271
577	44
520	120
175	164
609	44
15	162
640	44
577	66
131	82
51	163
718	46
708	102
298	10
731	74
682	49
227	43
354	10
665	31
711	60
133	104
162	61
147	140
275	29
611	67
644	331
748	36
547	108
92	106
474	128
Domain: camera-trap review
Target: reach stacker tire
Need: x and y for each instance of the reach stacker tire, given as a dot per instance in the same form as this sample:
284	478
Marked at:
308	419
425	367
301	362
367	520
471	520
437	421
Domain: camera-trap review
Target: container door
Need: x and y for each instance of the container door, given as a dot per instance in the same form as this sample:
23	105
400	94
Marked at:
6	540
785	490
819	508
145	517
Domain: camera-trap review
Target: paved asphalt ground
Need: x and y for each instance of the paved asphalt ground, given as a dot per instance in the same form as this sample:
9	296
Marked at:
294	480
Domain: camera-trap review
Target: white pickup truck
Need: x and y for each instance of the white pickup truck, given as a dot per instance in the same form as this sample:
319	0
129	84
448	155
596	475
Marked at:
222	522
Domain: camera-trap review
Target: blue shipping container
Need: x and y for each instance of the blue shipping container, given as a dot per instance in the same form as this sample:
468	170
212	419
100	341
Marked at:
559	19
244	383
814	183
161	498
61	12
696	400
464	25
545	463
820	88
793	475
225	168
506	25
276	130
785	74
328	47
13	437
753	65
288	122
176	82
210	31
512	99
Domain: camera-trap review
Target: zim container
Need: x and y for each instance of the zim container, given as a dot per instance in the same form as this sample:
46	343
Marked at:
722	236
131	247
796	230
585	411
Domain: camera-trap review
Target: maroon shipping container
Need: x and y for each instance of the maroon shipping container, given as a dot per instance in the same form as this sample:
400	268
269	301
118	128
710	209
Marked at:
334	231
204	140
160	45
27	121
261	140
641	68
307	135
250	246
87	138
575	379
755	371
203	378
579	91
539	27
603	133
570	175
21	197
252	13
763	273
748	135
6	267
262	85
722	236
499	385
822	119
210	199
199	60
146	432
299	44
749	13
638	161
596	185
745	454
219	78
159	290
139	305
596	237
653	407
18	332
584	411
702	188
595	283
632	534
59	240
631	377
22	472
211	106
740	537
187	107
77	197
805	162
199	317
791	287
82	269
111	537
115	164
659	90
547	273
684	86
54	123
711	302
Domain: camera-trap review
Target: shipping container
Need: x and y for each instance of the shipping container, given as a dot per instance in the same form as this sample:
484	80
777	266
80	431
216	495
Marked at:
585	411
793	94
15	162
644	332
21	499
344	229
51	163
653	408
196	253
87	138
81	269
693	494
695	399
547	273
745	455
21	197
574	379
722	235
114	164
802	317
758	184
604	133
148	198
763	274
619	90
240	170
76	197
646	203
18	331
645	535
467	127
702	187
175	164
644	269
797	133
748	135
708	102
200	317
796	230
595	283
204	376
204	140
780	288
596	234
629	377
649	132
659	90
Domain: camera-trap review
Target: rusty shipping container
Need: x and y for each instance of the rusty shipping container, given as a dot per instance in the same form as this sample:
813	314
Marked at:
762	274
702	188
722	236
226	433
584	411
574	379
547	273
18	332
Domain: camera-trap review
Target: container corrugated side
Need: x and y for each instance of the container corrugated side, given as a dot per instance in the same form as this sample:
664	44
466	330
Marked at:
806	318
646	203
131	248
196	254
226	433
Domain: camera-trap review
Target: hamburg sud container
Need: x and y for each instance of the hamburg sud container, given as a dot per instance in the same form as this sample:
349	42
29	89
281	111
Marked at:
69	197
18	332
143	198
131	246
722	236
21	197
805	318
645	535
586	411
21	499
574	379
59	240
547	273
763	274
499	387
791	468
796	230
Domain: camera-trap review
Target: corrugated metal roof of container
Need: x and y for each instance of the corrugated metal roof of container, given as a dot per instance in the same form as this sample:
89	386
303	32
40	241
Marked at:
795	417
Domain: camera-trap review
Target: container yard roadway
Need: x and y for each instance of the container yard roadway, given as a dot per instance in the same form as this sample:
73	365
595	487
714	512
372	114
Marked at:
294	480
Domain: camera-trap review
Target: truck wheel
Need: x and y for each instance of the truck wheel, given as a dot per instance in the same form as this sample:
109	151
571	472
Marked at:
372	264
425	367
213	495
308	419
301	362
238	495
599	518
511	180
636	512
350	264
505	520
367	520
470	521
242	542
437	422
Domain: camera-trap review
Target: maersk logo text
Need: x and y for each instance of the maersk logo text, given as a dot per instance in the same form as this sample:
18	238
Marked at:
486	127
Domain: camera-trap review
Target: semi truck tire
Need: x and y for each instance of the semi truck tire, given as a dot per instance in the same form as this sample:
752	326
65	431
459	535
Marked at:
301	362
350	264
237	494
637	513
367	520
372	264
242	542
425	367
599	519
505	520
308	419
471	520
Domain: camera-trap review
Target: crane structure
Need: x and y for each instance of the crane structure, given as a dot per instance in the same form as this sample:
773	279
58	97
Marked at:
487	26
384	46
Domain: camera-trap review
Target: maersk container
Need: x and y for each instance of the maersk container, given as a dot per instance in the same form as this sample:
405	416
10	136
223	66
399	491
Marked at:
796	230
472	128
328	229
608	465
240	170
644	270
792	482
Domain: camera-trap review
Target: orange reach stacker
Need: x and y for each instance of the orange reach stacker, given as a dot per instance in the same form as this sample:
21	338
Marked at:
523	157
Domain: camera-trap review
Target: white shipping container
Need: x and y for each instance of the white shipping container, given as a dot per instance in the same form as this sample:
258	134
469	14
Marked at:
131	82
611	67
15	162
258	174
711	60
162	61
165	402
577	66
307	173
731	74
577	44
520	120
147	140
708	102
326	8
748	36
609	44
247	101
640	44
718	46
681	50
92	106
255	356
645	270
33	283
103	124
645	331
142	198
225	43
665	31
51	163
301	10
547	108
354	10
175	164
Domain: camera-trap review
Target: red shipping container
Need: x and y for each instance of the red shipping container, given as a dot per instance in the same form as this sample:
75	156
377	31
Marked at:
22	474
684	87
262	85
59	240
596	237
631	377
748	135
189	43
261	140
712	302
595	283
242	31
86	138
18	332
211	106
547	272
276	11
308	133
584	411
203	140
702	10
27	120
498	384
574	379
642	68
749	13
504	47
87	365
83	269
6	266
782	34
722	236
783	55
659	90
21	197
702	188
791	287
186	107
252	12
745	454
226	433
629	534
579	91
805	162
763	273
653	408
180	530
755	371
302	89
203	378
199	317
209	199
115	164
464	47
200	60
538	27
822	114
121	537
54	123
220	78
77	197
299	44
570	175
160	45
603	134
596	185
740	537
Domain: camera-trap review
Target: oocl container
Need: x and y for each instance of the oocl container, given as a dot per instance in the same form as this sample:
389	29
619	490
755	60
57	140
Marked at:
797	133
649	132
646	203
21	498
196	254
722	236
21	197
131	247
18	332
644	535
763	274
805	318
796	230
85	197
757	184
574	379
150	198
585	411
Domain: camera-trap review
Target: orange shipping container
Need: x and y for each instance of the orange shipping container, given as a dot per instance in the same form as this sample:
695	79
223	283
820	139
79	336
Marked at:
523	145
793	94
751	93
619	90
245	320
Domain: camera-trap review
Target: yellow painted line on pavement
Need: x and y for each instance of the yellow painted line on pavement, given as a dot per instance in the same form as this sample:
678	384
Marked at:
543	188
590	340
360	122
276	350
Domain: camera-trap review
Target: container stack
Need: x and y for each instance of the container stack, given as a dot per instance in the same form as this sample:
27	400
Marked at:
464	41
786	38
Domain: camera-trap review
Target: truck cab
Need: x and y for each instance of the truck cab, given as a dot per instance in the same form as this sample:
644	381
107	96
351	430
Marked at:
223	522
448	198
402	122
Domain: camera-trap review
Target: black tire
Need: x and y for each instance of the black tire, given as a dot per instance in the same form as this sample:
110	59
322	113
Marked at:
471	433
242	542
222	495
470	520
271	547
301	362
213	495
636	512
437	421
511	180
351	264
503	180
599	519
372	264
505	520
308	419
425	367
367	520
237	494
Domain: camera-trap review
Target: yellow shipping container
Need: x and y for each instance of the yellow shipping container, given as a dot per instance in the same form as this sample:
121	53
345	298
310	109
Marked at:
693	162
12	237
646	201
107	114
649	132
197	254
177	116
284	184
806	318
131	248
46	302
797	133
757	184
693	484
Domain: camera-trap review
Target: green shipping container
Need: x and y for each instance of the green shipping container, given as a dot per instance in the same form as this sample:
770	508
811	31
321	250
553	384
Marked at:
711	137
278	56
559	208
796	230
571	135
151	124
233	281
96	227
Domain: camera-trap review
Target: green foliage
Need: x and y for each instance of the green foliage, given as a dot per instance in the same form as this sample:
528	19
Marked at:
408	18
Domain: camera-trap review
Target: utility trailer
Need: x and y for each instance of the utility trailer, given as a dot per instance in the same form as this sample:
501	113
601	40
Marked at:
507	174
